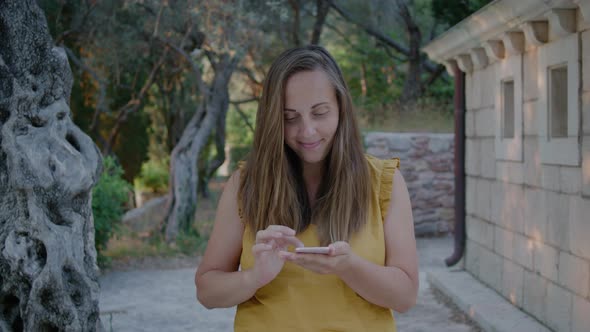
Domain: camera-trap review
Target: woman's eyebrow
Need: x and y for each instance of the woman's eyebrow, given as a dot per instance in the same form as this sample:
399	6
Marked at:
314	106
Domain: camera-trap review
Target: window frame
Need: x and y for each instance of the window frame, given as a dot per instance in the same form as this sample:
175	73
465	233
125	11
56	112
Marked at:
560	150
503	108
509	69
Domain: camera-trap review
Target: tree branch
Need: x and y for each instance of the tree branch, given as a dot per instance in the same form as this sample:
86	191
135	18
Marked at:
433	30
390	54
133	104
296	22
250	75
345	38
244	101
146	7
100	104
322	9
158	18
404	12
370	29
59	39
243	115
429	66
211	57
203	89
439	71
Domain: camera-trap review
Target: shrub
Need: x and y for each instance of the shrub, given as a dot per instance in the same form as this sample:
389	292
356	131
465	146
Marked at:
153	176
108	201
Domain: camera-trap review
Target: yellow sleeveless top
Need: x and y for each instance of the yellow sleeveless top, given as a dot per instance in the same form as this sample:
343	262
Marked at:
301	300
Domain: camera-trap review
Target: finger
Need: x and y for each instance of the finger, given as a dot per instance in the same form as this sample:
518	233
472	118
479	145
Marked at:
267	235
286	255
290	240
281	229
260	247
283	240
309	259
318	263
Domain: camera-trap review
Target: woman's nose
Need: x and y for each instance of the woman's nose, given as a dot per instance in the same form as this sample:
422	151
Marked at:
308	129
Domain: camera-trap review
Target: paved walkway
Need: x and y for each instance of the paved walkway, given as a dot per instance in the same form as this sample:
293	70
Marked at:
164	300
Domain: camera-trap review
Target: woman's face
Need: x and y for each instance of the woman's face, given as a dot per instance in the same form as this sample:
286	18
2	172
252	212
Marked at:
311	115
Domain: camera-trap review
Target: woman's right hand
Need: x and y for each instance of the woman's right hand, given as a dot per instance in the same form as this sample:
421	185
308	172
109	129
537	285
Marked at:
269	242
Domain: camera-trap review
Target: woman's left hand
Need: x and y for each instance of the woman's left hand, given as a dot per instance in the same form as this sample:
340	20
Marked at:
336	261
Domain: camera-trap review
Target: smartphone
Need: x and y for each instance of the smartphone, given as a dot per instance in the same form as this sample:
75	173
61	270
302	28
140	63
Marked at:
313	250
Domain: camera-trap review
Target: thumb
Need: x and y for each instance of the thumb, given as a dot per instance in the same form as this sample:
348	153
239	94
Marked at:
339	248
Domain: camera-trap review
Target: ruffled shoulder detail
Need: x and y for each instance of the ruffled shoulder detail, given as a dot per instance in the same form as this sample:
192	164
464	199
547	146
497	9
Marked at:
241	165
386	183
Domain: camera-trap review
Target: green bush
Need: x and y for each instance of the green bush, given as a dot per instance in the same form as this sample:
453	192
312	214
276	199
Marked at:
153	176
108	204
237	154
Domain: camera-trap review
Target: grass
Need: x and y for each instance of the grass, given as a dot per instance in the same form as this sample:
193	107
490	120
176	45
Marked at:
128	245
133	245
425	116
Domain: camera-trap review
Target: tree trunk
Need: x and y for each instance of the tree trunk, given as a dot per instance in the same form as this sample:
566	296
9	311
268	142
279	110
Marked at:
219	141
413	84
296	22
184	175
322	9
209	167
48	166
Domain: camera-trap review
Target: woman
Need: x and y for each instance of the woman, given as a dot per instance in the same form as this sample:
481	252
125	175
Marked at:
307	183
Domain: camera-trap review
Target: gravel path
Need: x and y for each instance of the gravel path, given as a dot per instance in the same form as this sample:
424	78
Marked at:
164	299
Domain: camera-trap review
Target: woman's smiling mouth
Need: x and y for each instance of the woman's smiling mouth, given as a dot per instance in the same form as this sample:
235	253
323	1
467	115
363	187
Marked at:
310	145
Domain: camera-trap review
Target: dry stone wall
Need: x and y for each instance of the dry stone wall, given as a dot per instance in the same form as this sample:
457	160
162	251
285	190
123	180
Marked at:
426	162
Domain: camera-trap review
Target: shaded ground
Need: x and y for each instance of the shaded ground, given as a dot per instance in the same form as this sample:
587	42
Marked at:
159	295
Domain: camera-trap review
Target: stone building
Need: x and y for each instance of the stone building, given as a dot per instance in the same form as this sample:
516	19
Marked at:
526	70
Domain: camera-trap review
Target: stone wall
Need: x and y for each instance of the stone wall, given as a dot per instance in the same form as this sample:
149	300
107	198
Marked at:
426	161
528	221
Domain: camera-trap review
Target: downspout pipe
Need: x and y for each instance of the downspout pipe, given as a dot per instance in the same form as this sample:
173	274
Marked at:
459	229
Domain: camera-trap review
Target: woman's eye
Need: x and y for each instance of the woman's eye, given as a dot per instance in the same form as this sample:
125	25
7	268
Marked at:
290	119
321	114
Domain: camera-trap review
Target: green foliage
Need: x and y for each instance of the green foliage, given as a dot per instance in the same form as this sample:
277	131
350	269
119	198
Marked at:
153	176
427	115
452	12
112	38
108	203
239	136
376	74
134	149
191	242
129	245
373	77
236	154
237	132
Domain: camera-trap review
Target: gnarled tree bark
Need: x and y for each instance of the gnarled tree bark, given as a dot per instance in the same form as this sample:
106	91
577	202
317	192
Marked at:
184	175
48	166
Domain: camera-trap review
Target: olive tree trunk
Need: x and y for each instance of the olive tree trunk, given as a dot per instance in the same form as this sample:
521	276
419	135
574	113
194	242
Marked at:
48	166
184	174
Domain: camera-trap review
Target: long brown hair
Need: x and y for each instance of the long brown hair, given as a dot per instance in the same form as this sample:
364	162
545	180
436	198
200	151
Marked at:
272	190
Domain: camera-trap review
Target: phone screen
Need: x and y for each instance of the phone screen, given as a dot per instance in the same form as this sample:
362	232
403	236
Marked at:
313	250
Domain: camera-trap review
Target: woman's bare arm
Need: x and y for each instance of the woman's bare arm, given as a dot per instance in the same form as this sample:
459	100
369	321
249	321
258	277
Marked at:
218	281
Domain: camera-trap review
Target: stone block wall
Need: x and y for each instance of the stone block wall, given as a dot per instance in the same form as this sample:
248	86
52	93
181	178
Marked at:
528	223
426	162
